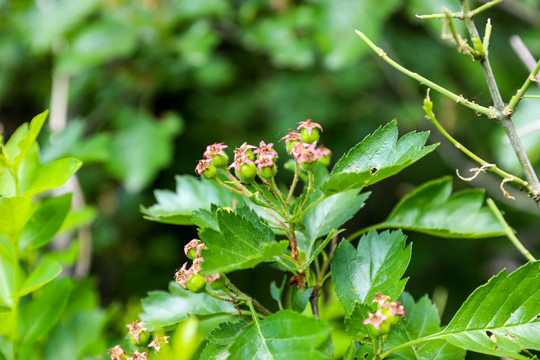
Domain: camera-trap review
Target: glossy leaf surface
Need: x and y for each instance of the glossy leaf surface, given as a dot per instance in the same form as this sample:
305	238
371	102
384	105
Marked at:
377	264
433	209
377	157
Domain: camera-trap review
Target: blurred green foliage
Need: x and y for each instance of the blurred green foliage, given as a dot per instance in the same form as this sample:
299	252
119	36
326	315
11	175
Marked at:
152	82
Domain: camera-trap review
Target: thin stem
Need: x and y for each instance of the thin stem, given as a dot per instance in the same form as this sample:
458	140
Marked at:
15	179
293	185
459	15
508	231
311	206
275	189
514	101
246	298
458	98
230	188
309	189
364	231
491	167
314	299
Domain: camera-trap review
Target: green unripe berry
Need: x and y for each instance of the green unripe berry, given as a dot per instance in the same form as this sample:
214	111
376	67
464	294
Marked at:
196	283
192	253
290	145
220	161
325	160
247	172
209	173
309	165
309	138
267	172
384	328
144	337
217	284
249	154
392	320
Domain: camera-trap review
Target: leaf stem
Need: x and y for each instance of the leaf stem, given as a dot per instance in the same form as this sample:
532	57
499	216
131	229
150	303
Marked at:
246	298
508	231
275	190
364	230
428	106
293	185
459	15
458	98
521	92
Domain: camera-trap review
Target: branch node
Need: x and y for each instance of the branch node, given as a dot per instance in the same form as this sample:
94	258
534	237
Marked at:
506	193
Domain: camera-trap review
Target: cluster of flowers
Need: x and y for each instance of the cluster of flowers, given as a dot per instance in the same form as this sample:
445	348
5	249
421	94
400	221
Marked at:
139	336
388	313
190	279
301	145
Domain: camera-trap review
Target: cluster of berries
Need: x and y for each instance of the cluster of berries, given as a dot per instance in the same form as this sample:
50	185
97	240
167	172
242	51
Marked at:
388	313
191	279
140	337
301	145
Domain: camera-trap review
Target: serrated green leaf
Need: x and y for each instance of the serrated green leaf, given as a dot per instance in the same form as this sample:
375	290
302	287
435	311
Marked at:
50	176
330	214
40	276
283	335
191	194
431	209
166	309
46	221
40	314
15	212
377	264
241	243
377	157
499	318
225	333
421	319
354	323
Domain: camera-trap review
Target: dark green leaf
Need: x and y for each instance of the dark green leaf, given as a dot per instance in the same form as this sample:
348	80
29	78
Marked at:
191	194
283	335
166	309
295	298
277	292
354	322
320	248
377	157
46	221
330	214
241	243
38	316
377	264
432	209
226	332
421	319
39	277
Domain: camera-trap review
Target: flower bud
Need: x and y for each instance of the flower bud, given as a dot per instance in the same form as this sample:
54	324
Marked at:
267	172
138	334
196	283
378	323
206	169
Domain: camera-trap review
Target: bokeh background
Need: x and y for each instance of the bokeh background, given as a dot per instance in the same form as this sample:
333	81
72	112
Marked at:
138	88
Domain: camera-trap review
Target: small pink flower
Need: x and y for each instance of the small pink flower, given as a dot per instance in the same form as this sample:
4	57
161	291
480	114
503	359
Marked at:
324	151
196	266
291	136
265	150
191	245
239	161
116	353
136	355
263	162
158	342
214	149
202	165
395	308
375	319
309	125
241	151
380	299
135	328
303	152
211	278
182	275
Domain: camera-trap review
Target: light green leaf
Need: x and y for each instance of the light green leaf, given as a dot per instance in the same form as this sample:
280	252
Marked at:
321	247
6	282
377	264
15	212
283	335
377	157
330	214
431	209
46	221
28	140
242	242
166	309
499	318
140	149
39	277
38	316
50	176
191	194
421	319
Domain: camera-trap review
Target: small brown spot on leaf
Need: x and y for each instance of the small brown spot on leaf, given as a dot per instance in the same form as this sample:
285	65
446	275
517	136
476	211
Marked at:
373	170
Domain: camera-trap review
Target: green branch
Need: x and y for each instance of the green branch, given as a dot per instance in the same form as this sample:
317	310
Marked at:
521	92
457	98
